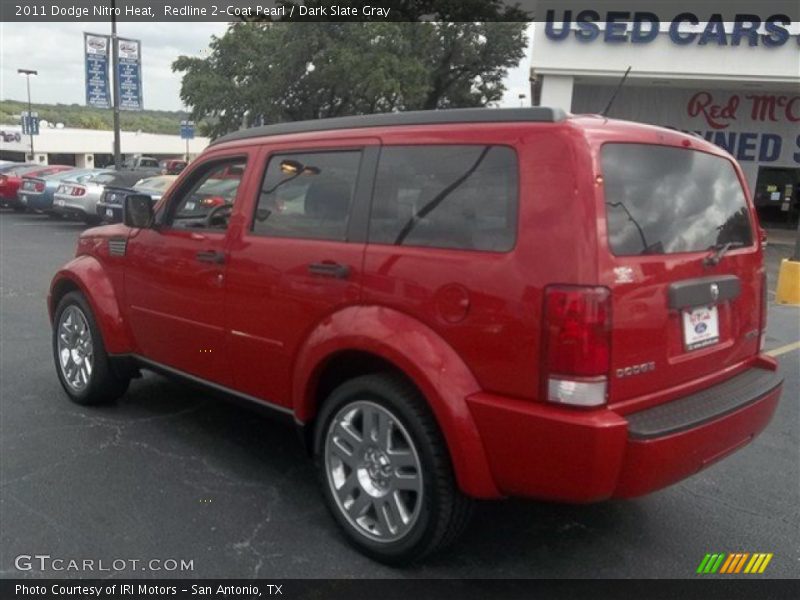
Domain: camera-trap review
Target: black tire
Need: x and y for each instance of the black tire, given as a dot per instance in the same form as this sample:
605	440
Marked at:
103	385
444	510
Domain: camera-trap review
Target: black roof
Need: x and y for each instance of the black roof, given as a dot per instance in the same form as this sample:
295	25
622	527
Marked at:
537	114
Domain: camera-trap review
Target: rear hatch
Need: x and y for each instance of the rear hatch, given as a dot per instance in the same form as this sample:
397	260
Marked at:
683	264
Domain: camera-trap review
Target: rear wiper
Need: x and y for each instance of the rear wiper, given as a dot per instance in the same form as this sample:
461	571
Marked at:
719	250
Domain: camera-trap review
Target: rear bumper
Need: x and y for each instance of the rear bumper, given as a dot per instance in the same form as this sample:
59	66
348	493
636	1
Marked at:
10	201
71	208
35	201
549	452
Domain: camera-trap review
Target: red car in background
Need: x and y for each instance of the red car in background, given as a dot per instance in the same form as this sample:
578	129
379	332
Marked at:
11	180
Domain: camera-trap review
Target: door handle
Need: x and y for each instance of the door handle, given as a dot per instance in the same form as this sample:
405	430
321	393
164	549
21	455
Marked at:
329	270
211	256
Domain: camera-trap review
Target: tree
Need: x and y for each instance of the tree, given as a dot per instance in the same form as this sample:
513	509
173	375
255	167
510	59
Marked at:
273	71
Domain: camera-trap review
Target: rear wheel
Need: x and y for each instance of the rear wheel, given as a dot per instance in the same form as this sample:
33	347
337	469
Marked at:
82	364
385	470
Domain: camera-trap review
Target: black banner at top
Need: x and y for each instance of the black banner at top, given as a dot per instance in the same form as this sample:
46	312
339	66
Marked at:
394	10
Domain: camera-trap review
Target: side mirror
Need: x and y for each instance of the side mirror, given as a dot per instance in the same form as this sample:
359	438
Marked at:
138	211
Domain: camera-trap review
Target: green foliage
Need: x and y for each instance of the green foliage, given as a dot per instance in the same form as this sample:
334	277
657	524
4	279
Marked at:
76	115
259	72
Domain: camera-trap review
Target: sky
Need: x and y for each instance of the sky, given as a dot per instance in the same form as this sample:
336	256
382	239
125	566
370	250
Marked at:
56	51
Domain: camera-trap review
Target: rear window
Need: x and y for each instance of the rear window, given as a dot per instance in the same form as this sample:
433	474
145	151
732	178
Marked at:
663	200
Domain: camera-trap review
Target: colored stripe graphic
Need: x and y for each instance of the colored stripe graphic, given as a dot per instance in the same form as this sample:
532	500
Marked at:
741	561
728	563
766	562
703	563
718	563
711	563
723	563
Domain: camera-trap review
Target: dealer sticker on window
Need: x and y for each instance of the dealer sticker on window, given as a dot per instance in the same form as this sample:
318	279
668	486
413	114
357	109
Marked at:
700	327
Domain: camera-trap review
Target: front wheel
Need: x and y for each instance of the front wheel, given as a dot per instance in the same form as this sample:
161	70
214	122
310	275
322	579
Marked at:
83	366
385	470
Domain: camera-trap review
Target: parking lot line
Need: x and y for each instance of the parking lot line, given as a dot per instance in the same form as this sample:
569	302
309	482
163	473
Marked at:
784	349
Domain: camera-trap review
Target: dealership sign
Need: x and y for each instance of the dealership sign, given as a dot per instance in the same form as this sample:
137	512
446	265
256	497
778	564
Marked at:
761	107
760	128
683	29
725	113
129	74
96	49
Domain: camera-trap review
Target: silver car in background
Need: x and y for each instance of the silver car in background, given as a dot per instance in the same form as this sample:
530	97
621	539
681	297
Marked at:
74	199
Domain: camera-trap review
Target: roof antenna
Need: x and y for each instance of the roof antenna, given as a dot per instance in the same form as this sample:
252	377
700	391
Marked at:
616	91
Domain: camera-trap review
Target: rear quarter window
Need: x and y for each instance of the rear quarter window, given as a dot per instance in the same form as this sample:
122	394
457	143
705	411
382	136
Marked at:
446	196
664	200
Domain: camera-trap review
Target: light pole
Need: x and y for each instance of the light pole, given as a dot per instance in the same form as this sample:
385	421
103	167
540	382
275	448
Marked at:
522	99
27	73
115	88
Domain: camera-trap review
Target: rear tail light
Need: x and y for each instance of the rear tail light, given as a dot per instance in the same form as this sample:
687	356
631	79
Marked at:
576	344
763	321
3	179
212	201
77	191
38	186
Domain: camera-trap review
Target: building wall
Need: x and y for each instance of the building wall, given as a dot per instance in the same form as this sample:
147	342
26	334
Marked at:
753	125
91	141
712	55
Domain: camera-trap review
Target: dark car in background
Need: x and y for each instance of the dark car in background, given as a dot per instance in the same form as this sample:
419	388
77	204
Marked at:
110	207
11	180
36	193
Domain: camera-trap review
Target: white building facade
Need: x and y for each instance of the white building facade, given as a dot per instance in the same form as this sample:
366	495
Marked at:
733	79
91	147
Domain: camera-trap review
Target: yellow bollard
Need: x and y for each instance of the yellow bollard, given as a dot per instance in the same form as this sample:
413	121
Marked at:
788	291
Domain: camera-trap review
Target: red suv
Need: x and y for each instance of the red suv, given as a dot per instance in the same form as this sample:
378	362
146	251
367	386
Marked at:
449	305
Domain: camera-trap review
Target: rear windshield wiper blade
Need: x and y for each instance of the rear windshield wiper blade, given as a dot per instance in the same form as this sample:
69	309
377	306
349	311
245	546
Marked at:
719	250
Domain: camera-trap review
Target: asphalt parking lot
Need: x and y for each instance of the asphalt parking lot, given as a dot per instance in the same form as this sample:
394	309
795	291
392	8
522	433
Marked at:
167	473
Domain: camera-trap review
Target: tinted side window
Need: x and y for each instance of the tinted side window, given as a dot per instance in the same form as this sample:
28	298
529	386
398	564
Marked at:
462	197
307	195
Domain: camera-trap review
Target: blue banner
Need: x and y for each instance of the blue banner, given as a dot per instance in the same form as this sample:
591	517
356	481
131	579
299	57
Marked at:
187	130
129	74
30	123
96	50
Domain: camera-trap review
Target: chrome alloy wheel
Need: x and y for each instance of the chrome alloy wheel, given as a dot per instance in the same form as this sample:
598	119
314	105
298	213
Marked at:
75	349
373	471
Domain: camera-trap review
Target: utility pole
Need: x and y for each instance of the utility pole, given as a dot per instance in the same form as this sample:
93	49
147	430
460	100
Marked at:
27	73
115	88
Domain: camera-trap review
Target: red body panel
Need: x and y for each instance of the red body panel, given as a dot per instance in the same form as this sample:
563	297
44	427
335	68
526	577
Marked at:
463	326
